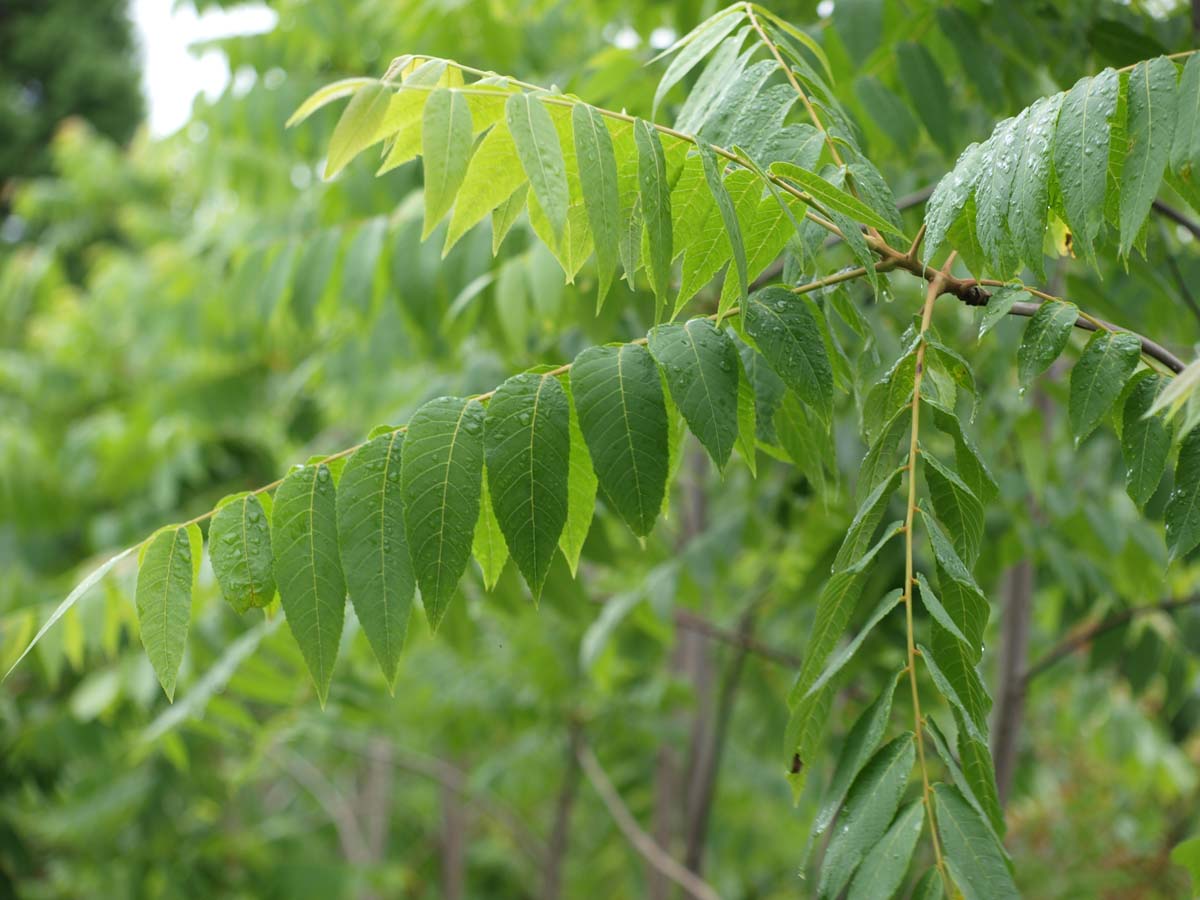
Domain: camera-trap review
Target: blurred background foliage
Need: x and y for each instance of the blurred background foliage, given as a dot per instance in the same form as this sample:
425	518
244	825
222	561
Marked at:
184	317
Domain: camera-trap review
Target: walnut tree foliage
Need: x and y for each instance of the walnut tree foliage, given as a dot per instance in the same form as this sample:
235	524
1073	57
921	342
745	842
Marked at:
759	159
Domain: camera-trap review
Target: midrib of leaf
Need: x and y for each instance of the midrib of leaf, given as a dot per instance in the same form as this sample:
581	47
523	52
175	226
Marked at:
312	555
637	481
246	550
712	410
383	580
536	145
167	583
537	399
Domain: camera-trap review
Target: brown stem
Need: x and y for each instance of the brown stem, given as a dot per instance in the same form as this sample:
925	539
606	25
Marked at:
560	834
1150	348
707	767
1082	638
1010	692
645	845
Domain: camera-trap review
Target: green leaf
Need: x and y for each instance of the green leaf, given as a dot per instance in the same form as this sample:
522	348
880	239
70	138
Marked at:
598	181
1145	440
700	42
766	225
835	606
1081	153
957	507
926	87
541	156
870	806
326	95
443	466
359	126
724	69
581	491
69	601
164	601
311	276
527	441
1187	853
930	887
374	547
446	136
950	197
655	192
308	567
1099	377
747	443
701	367
995	188
934	607
954	689
807	441
787	335
883	869
404	113
857	750
838	660
971	467
618	395
998	306
1182	515
880	461
488	544
733	230
239	545
859	24
971	789
1046	336
1185	148
505	215
950	563
866	520
1028	203
1151	126
493	176
972	854
361	264
832	198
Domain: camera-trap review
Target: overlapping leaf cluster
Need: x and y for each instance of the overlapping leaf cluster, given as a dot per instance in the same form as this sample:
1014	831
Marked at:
515	473
1093	157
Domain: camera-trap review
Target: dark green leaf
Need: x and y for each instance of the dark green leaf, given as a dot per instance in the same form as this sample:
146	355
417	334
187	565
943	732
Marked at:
956	506
1145	440
701	366
1081	153
998	306
787	334
927	89
1099	377
857	749
164	601
733	230
1046	336
1151	128
308	567
870	806
374	546
655	192
619	398
443	465
972	854
239	545
1183	509
883	869
528	442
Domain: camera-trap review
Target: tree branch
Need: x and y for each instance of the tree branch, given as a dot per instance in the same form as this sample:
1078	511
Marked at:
641	842
1150	348
1105	625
